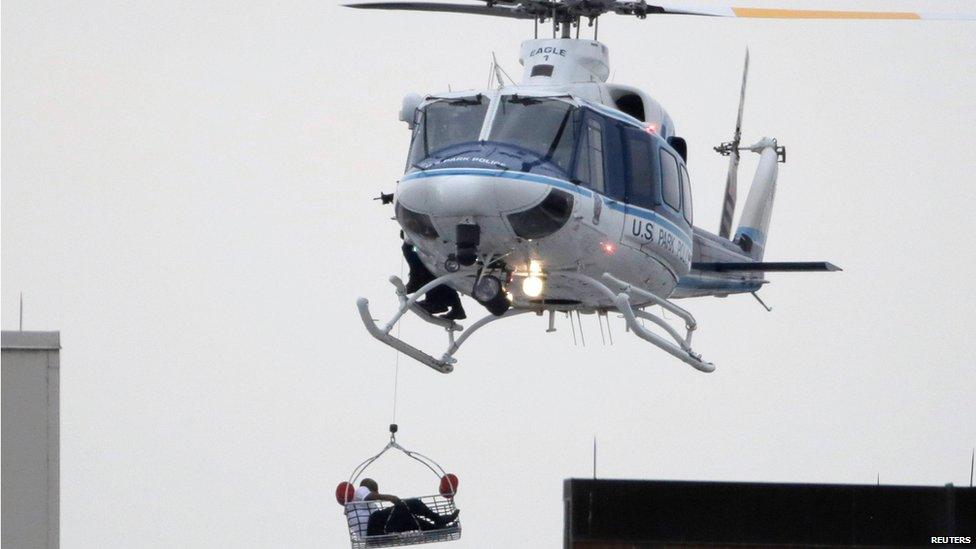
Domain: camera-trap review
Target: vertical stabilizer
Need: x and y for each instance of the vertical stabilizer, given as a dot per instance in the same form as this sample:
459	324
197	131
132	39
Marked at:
754	223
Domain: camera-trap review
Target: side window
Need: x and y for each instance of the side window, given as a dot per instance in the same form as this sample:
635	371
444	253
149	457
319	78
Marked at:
614	158
671	185
640	169
582	170
589	157
687	207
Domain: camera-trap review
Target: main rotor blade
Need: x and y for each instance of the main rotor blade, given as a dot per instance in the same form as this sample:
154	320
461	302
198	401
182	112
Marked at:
571	10
678	8
497	11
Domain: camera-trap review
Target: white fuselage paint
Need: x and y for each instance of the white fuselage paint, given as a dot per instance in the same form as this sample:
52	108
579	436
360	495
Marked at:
602	236
599	236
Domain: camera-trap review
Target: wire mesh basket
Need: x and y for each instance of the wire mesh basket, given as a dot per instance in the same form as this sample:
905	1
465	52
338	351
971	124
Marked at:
358	513
411	521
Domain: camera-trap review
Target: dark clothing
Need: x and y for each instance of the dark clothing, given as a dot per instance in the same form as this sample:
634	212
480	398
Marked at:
444	296
419	274
438	299
407	515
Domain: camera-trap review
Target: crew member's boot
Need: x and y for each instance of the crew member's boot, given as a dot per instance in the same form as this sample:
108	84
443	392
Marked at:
457	310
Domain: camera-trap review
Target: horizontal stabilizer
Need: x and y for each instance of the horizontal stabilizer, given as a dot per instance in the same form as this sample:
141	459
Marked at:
768	266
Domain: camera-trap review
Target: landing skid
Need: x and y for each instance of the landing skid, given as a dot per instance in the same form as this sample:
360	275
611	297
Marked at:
682	351
680	348
445	364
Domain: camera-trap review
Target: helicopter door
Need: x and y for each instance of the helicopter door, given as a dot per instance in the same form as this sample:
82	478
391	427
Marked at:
599	167
589	171
640	189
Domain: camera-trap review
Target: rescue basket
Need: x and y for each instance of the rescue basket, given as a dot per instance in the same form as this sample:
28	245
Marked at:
409	530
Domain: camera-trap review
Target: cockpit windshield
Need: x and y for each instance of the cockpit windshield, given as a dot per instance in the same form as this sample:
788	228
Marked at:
542	125
447	122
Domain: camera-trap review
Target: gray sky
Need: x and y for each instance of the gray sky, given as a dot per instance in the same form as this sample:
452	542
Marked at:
186	197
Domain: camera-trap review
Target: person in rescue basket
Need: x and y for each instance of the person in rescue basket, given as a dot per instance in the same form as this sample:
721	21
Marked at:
404	516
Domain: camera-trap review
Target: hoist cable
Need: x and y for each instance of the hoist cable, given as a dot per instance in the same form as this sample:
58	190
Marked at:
396	359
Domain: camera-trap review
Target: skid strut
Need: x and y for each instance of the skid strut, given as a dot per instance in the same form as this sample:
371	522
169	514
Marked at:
680	349
445	364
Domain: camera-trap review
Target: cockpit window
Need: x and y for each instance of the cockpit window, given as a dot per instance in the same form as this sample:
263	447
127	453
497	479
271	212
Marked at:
447	122
542	125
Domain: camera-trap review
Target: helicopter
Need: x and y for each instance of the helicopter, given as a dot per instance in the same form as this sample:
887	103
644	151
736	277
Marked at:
565	193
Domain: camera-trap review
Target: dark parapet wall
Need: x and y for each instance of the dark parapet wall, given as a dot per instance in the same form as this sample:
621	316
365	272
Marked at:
638	513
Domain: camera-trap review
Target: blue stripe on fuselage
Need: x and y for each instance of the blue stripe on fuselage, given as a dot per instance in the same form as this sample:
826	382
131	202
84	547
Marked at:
558	183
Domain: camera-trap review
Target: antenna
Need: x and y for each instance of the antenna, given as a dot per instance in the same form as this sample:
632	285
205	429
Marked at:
594	457
599	320
572	326
21	312
499	71
579	320
589	514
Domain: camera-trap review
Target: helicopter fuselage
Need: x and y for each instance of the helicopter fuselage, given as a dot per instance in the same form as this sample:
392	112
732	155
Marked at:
556	181
568	193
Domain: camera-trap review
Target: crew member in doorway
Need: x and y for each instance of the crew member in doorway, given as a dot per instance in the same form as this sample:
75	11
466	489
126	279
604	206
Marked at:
439	299
405	515
443	298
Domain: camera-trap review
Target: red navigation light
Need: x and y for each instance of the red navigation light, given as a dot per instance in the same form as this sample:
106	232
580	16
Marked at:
608	248
650	128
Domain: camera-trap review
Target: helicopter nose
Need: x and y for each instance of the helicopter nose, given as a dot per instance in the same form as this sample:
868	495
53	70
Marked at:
464	195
